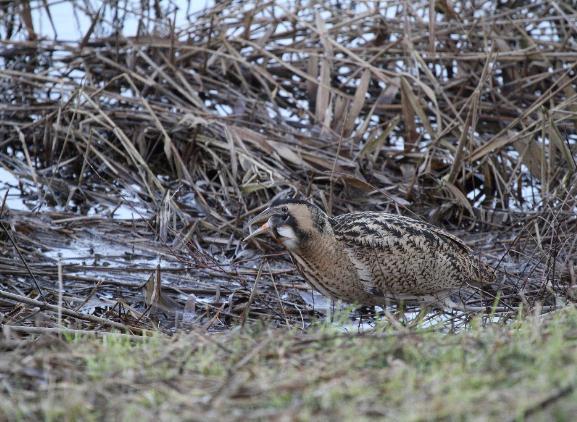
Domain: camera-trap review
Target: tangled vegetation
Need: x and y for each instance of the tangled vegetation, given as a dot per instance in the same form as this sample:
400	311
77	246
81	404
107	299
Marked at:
132	155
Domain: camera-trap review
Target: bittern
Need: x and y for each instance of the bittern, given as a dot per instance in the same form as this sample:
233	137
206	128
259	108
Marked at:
371	258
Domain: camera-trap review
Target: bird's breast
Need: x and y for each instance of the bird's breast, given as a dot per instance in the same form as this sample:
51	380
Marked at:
327	266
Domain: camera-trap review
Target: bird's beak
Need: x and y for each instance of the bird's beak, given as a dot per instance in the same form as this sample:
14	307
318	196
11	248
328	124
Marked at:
265	228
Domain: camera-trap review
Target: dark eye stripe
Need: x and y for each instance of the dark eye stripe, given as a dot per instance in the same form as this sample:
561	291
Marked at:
292	223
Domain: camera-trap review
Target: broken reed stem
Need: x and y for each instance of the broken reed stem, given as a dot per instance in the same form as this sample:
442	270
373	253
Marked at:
459	154
13	242
68	312
251	297
225	116
287	321
60	293
7	329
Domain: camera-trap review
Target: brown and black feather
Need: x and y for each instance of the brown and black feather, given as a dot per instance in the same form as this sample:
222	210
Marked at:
371	257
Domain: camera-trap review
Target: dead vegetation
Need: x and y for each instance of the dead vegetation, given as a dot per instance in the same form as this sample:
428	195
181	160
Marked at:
524	370
464	116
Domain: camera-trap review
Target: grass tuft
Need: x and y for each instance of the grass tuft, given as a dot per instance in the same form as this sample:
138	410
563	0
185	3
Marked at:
496	371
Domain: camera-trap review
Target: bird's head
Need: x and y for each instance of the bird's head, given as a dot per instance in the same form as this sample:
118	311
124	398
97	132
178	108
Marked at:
292	222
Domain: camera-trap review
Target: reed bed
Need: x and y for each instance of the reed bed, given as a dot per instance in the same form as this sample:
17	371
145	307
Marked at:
464	116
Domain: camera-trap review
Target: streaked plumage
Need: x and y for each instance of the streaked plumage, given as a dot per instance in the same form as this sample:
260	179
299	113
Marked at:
371	257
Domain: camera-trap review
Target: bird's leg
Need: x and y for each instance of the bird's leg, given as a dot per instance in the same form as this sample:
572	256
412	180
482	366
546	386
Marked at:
334	307
391	317
367	314
330	312
402	311
423	311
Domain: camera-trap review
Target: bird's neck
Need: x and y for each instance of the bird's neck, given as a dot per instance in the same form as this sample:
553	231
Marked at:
324	253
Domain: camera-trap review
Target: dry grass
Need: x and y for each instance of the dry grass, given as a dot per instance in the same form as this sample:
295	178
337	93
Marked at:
460	117
525	370
466	117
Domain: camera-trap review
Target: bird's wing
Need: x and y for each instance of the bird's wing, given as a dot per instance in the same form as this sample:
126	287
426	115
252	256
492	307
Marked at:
414	257
377	229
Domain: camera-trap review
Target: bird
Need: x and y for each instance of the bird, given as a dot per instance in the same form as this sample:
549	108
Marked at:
372	258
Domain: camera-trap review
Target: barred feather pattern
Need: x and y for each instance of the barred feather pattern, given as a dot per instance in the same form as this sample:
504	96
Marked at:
370	257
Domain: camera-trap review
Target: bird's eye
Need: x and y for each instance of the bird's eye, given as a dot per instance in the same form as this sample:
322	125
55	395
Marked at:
285	209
